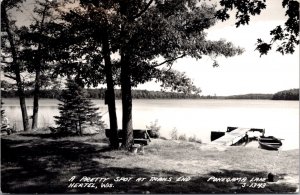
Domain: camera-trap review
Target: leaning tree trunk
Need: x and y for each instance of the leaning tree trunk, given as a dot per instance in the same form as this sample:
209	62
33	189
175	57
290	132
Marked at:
110	96
126	104
23	106
16	68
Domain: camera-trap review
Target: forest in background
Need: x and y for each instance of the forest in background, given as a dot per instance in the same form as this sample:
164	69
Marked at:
291	94
100	94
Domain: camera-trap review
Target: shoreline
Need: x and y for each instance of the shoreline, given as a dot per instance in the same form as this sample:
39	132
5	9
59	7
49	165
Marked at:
246	99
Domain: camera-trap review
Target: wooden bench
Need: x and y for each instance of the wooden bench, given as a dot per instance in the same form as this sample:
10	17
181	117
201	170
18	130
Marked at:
140	136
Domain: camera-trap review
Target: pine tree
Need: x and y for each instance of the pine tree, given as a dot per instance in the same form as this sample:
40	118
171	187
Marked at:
76	111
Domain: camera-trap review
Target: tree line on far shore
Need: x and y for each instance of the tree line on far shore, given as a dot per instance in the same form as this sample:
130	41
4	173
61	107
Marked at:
291	94
100	94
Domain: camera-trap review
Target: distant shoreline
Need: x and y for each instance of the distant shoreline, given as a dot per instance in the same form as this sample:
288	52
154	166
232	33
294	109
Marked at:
292	94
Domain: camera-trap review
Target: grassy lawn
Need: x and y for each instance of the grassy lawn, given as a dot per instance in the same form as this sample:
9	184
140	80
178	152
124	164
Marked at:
39	163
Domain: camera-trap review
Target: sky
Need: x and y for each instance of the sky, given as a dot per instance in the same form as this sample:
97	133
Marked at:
247	73
243	74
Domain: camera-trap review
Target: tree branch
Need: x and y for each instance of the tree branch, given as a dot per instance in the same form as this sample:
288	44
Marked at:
143	11
171	13
101	65
170	67
9	76
79	16
5	62
169	60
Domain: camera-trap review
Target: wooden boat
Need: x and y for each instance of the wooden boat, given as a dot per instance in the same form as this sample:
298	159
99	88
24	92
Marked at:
269	143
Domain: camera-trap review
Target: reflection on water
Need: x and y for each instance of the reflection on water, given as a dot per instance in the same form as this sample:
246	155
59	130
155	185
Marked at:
190	117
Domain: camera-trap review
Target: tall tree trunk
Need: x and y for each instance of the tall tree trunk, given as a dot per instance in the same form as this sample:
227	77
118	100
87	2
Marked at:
38	75
16	69
110	98
126	81
126	103
36	98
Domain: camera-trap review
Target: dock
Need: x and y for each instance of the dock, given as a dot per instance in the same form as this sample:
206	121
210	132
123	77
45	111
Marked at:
235	136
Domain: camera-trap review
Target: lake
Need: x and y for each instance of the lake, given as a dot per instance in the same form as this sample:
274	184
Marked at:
189	117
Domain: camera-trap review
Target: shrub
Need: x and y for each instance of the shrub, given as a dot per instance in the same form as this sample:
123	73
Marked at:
182	137
199	141
174	134
153	129
194	139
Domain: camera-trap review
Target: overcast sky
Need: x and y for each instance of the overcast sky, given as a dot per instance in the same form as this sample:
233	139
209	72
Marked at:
247	73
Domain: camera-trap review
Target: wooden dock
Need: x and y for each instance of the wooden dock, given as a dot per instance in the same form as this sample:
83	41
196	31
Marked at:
233	137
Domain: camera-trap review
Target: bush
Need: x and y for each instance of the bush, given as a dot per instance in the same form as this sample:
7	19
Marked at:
153	129
194	139
174	134
182	137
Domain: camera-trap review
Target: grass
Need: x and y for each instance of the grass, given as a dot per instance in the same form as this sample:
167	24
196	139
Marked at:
39	163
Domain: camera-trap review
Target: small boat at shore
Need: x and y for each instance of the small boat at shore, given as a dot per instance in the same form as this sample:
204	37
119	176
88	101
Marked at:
269	143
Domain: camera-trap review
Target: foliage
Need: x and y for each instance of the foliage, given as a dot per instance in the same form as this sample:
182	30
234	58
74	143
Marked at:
177	81
174	134
7	85
168	31
37	39
291	94
136	94
79	46
140	32
2	110
194	139
182	137
286	38
76	111
250	96
100	93
154	129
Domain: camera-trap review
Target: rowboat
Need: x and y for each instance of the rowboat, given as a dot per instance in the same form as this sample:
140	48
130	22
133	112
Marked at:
269	143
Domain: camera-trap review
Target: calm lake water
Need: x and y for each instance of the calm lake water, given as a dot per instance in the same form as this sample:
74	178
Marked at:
190	117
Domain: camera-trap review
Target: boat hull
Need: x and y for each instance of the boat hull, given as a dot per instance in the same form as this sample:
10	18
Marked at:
269	143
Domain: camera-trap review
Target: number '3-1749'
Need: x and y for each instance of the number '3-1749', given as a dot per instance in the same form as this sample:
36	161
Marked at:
254	185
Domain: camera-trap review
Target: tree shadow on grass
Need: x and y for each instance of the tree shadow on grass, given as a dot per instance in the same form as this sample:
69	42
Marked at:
41	135
46	135
45	166
33	166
